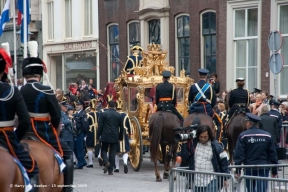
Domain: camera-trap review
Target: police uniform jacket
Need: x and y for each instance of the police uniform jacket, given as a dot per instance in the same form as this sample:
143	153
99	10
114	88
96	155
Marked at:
110	127
270	125
81	121
238	95
9	108
66	133
274	113
165	90
194	91
40	102
255	147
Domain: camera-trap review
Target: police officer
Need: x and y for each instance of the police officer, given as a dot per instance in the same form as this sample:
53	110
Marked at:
133	60
274	112
82	124
11	103
124	145
201	95
67	135
166	96
45	113
255	147
91	131
239	97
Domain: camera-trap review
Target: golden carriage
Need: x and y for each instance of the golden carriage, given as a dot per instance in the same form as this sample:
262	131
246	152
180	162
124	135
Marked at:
137	94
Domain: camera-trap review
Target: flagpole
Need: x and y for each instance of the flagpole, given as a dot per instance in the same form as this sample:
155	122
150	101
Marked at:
15	47
25	28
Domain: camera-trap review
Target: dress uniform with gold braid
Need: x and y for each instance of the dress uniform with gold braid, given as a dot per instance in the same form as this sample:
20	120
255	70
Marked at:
239	97
166	98
133	60
11	103
91	132
45	113
124	145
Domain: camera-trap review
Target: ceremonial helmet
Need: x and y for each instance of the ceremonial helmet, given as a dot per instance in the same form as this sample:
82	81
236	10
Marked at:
6	61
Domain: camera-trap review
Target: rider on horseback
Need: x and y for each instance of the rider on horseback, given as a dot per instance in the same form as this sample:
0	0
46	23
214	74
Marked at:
12	103
239	98
202	98
45	113
166	96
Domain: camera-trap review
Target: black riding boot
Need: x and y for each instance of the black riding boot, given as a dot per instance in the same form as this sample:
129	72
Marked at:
34	181
68	174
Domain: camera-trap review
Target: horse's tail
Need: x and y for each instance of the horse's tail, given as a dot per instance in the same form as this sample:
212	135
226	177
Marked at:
156	137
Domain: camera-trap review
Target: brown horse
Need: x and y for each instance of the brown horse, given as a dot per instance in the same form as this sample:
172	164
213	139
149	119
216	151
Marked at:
234	128
10	173
49	172
200	119
161	132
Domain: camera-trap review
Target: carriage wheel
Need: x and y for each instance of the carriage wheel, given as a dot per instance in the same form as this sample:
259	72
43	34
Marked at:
136	151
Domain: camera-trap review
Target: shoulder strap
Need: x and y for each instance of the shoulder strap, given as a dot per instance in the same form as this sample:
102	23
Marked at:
202	91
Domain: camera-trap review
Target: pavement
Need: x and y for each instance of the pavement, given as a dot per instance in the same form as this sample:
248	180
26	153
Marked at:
94	180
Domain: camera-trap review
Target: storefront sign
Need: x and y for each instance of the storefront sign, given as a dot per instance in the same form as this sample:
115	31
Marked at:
78	45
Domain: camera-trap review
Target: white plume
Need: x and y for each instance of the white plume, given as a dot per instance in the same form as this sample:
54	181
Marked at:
6	47
33	48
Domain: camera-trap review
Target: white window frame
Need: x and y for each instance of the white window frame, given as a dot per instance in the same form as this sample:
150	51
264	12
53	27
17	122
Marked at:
128	34
176	43
50	25
67	19
90	18
108	48
230	45
282	95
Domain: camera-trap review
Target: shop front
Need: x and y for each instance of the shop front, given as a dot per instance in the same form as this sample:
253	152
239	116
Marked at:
71	63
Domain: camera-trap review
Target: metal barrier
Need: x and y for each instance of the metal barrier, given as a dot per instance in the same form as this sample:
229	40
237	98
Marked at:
258	178
185	180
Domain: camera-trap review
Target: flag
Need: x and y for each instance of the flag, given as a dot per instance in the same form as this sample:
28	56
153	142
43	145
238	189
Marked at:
21	16
4	16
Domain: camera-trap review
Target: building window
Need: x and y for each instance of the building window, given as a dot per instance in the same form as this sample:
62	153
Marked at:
209	40
154	31
68	16
183	38
50	15
88	17
134	33
283	28
246	49
114	52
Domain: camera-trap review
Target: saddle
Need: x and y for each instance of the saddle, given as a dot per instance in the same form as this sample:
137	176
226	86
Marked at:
30	136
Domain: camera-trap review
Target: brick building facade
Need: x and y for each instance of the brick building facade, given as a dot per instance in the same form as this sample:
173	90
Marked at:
228	37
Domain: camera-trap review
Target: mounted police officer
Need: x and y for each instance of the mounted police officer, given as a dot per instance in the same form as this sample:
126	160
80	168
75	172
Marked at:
255	147
12	103
45	113
82	124
133	60
239	98
166	96
91	131
124	145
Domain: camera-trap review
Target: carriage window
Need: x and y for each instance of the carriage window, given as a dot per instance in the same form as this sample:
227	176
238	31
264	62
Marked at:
133	99
125	98
180	95
149	95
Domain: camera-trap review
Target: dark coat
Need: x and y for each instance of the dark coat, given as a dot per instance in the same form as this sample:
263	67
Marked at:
165	90
208	94
220	165
270	125
42	100
66	133
255	147
108	127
